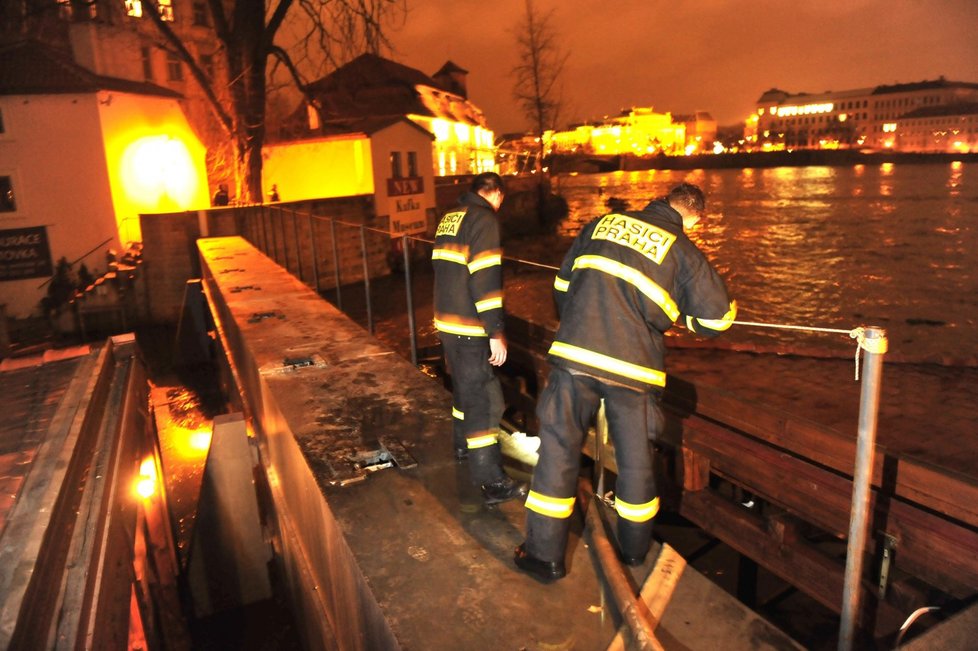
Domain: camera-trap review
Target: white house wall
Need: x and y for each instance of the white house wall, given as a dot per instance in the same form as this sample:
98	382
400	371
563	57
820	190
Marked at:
51	146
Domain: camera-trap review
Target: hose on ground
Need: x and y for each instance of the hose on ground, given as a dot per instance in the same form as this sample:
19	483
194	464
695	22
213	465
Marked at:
635	613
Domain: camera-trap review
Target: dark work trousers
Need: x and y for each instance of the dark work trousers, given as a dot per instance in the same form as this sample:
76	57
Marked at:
566	409
477	395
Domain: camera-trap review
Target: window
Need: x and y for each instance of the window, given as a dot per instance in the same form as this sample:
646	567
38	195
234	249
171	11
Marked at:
412	164
134	8
147	56
200	14
7	203
396	165
174	68
166	9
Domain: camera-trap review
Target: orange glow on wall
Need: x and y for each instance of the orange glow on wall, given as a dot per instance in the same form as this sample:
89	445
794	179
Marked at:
158	173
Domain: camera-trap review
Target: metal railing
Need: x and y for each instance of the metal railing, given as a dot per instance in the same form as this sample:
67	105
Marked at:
271	236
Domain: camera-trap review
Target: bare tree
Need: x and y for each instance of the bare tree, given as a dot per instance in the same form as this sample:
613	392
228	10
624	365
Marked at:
247	31
537	77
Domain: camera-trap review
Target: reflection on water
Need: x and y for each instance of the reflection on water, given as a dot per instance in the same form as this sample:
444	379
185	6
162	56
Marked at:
838	247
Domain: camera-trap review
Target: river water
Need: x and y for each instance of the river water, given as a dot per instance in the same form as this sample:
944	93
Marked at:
893	246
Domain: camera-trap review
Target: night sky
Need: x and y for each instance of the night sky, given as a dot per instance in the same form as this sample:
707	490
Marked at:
683	56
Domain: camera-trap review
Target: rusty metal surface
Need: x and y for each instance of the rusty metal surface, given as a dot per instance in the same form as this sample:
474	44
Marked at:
408	557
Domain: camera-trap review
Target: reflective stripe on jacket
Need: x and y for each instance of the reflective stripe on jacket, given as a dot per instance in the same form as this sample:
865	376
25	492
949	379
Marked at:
467	260
625	280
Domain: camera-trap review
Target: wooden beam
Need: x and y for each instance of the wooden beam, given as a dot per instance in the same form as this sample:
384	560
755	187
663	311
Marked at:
936	549
811	571
938	489
657	590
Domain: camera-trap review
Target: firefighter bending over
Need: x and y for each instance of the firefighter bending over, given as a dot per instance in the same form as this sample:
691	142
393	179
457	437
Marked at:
626	279
467	259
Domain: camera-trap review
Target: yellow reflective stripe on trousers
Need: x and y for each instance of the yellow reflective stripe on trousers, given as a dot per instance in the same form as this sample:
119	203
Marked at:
643	283
457	414
552	507
483	441
449	256
560	284
460	329
489	304
617	366
485	262
637	512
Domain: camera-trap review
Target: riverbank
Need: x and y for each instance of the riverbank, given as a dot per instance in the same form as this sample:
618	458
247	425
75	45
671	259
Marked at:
585	163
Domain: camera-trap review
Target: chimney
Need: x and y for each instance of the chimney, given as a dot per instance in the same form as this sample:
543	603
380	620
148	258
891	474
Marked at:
452	78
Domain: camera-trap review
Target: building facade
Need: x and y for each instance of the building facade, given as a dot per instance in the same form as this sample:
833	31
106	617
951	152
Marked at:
639	131
927	116
81	156
373	87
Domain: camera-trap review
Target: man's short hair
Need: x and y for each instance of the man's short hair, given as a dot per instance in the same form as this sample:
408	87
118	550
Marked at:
487	182
688	196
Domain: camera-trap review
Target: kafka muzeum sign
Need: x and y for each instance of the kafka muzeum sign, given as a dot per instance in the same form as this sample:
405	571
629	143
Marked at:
24	253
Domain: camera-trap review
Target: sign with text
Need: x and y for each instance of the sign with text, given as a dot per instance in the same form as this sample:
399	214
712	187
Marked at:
406	205
24	253
404	186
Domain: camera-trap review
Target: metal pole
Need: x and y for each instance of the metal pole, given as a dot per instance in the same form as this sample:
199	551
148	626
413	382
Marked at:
315	254
874	347
271	227
413	336
600	434
336	263
298	246
280	218
366	278
264	229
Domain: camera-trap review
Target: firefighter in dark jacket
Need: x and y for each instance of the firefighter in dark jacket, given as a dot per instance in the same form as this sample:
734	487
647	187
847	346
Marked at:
467	260
626	279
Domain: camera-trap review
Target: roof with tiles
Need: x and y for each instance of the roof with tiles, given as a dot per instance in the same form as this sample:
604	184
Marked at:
32	68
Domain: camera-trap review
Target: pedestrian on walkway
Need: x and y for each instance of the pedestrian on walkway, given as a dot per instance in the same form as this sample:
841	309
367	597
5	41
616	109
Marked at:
467	260
626	279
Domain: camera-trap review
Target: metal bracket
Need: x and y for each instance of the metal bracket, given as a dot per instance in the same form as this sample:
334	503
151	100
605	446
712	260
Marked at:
889	549
259	316
351	468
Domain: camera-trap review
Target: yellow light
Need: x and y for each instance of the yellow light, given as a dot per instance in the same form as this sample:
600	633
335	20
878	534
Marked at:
159	171
145	488
441	129
200	440
148	468
461	132
146	481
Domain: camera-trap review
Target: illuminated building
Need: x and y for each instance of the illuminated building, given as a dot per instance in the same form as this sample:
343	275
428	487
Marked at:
882	118
374	87
118	39
701	132
637	131
387	157
81	156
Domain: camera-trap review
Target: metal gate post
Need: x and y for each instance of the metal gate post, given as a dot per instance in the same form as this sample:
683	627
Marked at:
315	253
412	335
298	246
874	347
336	263
366	278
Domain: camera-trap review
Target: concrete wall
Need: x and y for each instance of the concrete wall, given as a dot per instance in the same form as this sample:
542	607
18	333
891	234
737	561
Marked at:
170	255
